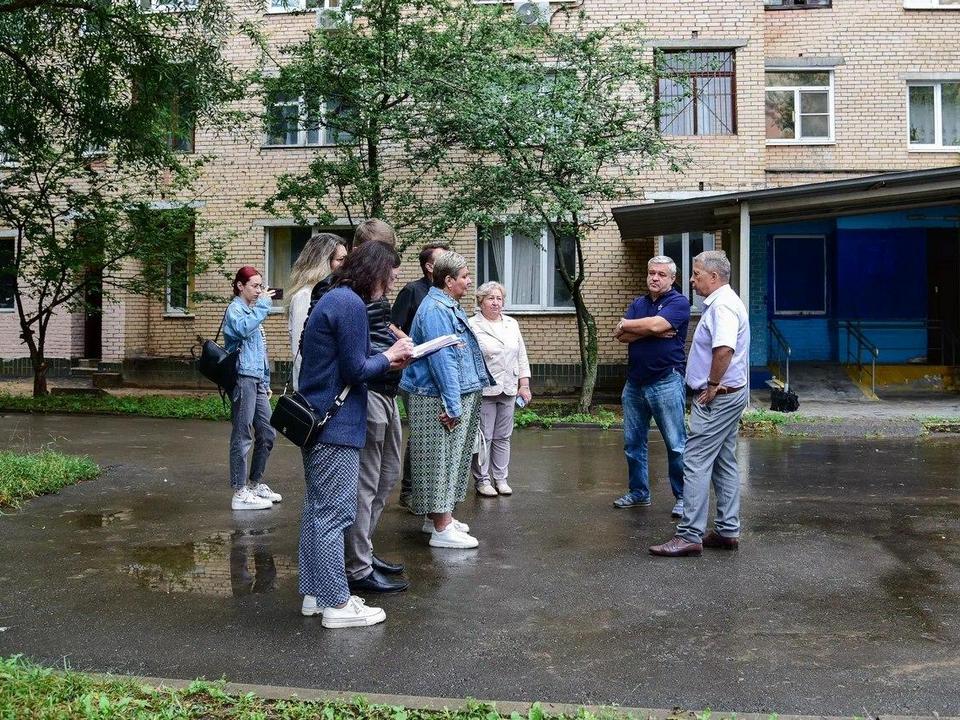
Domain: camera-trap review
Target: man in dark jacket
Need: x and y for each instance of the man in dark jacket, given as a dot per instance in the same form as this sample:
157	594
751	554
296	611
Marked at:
404	310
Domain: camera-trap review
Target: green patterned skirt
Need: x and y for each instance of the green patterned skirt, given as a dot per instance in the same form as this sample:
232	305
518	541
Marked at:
440	458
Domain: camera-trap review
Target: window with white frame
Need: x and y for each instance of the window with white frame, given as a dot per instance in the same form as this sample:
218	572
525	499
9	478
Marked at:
799	106
795	4
168	5
526	265
285	6
934	115
298	122
7	274
682	248
7	155
283	247
179	282
697	92
931	4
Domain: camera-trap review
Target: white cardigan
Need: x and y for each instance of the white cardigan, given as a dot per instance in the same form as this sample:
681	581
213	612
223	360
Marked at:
504	352
296	317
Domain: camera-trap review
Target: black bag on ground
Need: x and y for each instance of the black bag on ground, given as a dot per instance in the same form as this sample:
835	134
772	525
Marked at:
216	364
783	400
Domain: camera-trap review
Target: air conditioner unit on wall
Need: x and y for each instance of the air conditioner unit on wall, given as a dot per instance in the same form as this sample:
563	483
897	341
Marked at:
329	18
533	12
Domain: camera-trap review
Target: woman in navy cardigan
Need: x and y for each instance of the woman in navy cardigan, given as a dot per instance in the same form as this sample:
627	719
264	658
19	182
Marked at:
336	353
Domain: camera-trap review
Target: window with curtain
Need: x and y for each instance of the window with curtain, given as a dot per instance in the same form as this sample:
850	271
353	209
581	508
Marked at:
934	114
682	248
697	92
799	106
526	265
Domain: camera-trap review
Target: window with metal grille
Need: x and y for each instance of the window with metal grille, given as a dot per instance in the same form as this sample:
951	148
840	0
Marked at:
697	92
795	4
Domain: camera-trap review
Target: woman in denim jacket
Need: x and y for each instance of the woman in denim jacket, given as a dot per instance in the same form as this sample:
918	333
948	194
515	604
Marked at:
444	406
250	402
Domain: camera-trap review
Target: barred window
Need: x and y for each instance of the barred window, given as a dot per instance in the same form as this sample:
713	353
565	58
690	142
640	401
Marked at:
697	92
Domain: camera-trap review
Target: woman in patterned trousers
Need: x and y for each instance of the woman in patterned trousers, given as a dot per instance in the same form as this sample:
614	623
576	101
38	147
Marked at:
444	414
336	353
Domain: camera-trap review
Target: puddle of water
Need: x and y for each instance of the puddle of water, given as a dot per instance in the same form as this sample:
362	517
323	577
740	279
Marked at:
103	519
223	564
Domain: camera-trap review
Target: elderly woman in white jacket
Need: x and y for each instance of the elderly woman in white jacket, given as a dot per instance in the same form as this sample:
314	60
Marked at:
506	358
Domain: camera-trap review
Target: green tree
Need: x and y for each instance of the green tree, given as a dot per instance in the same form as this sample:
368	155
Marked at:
375	85
556	132
98	104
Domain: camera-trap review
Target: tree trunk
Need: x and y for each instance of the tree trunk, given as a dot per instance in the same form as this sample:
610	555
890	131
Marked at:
589	351
39	375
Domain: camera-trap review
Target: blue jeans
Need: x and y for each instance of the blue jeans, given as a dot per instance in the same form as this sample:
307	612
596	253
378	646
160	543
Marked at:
663	401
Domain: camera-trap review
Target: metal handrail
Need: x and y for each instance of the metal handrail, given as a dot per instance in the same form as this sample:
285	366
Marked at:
949	340
863	342
785	347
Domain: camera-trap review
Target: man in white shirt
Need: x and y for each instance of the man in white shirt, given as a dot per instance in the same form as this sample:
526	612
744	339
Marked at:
718	371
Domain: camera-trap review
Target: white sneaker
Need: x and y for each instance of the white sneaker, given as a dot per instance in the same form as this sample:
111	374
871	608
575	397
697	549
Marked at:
354	614
310	607
453	538
246	500
262	490
486	489
428	526
503	488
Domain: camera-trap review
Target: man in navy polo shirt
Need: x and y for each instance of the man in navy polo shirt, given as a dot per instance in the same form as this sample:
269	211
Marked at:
655	328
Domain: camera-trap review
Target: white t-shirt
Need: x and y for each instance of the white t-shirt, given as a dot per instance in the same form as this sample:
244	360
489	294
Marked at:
724	323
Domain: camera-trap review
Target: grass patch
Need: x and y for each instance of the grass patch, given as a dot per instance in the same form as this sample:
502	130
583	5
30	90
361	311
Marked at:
548	415
23	476
184	407
31	691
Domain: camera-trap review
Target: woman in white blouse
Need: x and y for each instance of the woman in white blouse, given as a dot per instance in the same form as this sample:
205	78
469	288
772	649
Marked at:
506	358
323	254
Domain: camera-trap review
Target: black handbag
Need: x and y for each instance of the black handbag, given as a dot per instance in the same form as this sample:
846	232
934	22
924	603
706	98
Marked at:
296	420
216	364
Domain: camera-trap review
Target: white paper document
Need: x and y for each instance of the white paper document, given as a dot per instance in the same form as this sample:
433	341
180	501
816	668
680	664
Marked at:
431	346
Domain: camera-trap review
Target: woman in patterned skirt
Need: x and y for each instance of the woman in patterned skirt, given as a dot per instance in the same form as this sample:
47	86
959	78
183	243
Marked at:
444	414
336	353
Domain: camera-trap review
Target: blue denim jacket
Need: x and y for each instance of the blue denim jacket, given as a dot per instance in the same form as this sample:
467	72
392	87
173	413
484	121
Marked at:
453	371
242	325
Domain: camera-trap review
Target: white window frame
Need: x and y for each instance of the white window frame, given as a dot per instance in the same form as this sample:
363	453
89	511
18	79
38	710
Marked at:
11	237
686	262
278	7
931	5
797	91
279	307
168	292
302	132
169	5
802	313
937	145
546	270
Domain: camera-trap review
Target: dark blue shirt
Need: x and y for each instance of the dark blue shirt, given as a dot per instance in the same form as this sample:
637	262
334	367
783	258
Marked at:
336	352
652	358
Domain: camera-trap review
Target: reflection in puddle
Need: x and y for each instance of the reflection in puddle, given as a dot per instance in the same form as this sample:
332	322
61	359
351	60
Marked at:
88	521
223	564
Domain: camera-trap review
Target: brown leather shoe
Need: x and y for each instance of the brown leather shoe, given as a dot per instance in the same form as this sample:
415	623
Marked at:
677	547
713	539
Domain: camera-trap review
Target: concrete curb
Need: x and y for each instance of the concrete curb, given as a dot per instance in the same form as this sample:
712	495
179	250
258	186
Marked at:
504	707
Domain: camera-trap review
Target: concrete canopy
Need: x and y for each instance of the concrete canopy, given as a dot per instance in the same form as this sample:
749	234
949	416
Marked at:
873	193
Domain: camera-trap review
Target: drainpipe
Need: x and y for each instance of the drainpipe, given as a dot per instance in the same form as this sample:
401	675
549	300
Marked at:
744	253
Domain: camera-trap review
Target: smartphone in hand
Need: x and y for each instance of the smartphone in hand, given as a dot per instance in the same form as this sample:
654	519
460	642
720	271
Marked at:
520	401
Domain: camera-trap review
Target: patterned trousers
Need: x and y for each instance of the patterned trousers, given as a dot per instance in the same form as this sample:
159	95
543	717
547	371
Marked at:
440	458
329	508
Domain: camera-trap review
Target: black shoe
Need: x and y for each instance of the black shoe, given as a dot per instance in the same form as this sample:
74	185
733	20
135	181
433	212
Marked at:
387	568
376	582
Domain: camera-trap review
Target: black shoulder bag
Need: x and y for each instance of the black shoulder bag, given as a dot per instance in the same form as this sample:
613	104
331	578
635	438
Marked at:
294	417
216	364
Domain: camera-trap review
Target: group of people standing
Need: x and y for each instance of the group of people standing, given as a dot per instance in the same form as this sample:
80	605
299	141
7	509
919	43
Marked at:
354	351
717	372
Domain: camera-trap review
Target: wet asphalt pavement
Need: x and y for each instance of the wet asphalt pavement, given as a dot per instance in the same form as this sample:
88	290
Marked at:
844	598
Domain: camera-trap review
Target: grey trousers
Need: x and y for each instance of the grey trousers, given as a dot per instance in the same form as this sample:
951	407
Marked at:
710	457
496	424
380	468
250	413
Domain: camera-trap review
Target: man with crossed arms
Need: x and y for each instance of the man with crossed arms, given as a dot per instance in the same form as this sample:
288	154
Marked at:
718	371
